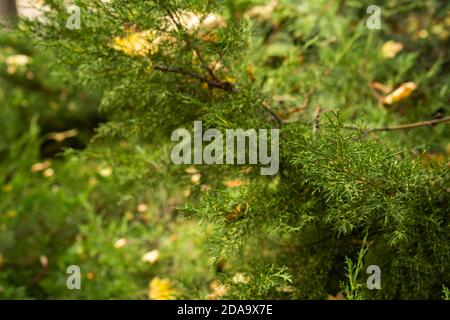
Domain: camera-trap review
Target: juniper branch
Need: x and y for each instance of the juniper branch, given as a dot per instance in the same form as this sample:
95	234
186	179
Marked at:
266	107
176	20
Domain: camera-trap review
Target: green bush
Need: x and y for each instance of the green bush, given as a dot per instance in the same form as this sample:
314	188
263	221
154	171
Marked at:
354	189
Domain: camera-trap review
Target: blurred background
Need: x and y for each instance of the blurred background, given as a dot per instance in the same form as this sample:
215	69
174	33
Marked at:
61	206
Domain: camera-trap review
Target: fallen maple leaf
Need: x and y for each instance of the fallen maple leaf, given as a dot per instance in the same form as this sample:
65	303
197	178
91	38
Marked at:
161	289
137	43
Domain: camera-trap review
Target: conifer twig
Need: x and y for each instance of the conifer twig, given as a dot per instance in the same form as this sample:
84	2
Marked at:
316	121
216	82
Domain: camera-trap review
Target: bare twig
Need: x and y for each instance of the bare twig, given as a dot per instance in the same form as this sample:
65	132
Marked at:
316	121
203	62
266	107
225	86
401	126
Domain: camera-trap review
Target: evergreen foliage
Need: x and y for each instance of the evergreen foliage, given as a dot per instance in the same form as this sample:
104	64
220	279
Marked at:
346	196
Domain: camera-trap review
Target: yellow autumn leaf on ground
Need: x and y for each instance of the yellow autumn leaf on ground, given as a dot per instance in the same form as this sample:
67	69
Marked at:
105	171
400	93
241	278
18	60
390	49
138	44
43	259
205	25
234	183
61	136
217	290
161	289
191	170
230	79
262	12
151	256
236	213
15	62
196	178
142	207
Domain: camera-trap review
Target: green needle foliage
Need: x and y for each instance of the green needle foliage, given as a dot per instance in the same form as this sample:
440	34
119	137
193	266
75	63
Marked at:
346	196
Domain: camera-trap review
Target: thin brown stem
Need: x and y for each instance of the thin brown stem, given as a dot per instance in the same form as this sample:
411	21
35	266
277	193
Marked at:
401	126
266	107
225	86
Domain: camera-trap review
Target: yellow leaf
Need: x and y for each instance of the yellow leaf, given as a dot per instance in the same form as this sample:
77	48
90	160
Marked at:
263	12
161	289
48	173
18	60
192	21
119	244
151	256
205	86
241	278
400	93
105	171
196	178
217	290
191	170
234	183
212	38
390	49
138	44
239	210
41	166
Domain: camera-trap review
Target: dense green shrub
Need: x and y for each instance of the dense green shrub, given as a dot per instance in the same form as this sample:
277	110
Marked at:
346	196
